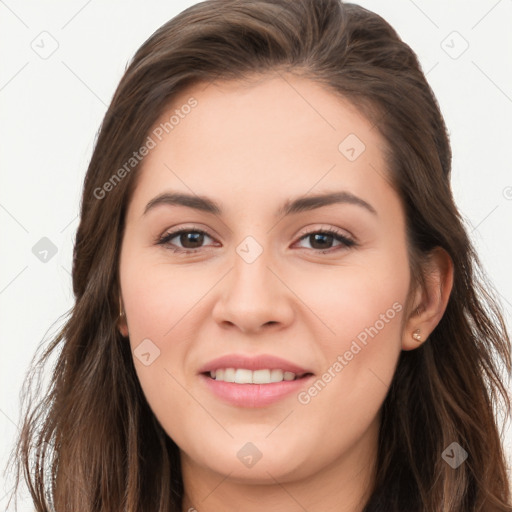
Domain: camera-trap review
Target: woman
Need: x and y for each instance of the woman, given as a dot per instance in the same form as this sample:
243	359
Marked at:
213	361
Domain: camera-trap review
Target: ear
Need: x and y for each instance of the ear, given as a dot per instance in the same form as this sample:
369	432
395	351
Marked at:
122	324
430	299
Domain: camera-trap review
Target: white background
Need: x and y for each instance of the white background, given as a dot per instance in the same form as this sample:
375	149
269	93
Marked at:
51	109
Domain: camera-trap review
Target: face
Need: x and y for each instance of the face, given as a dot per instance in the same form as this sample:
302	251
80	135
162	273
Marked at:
316	289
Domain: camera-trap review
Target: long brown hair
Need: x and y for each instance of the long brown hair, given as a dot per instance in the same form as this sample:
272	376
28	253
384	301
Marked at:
91	443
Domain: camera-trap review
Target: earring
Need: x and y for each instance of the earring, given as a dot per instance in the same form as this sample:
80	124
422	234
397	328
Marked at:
120	308
416	335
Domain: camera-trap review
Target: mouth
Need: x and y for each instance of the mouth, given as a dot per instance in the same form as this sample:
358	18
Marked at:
243	388
244	380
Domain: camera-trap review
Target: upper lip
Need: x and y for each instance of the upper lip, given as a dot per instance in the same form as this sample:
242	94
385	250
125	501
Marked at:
260	362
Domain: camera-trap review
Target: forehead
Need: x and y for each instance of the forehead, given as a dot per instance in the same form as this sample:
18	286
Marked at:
261	139
268	113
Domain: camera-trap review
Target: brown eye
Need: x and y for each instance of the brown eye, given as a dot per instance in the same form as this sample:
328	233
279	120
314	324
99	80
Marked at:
322	240
190	240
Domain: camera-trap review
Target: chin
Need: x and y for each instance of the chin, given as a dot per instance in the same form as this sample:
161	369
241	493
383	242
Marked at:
258	461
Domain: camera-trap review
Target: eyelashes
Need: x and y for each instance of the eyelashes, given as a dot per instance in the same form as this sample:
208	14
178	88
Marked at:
327	234
166	240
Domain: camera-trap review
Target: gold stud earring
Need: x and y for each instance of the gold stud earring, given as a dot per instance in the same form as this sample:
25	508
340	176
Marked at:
416	335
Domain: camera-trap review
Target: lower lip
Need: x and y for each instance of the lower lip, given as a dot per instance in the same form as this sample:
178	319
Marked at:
254	395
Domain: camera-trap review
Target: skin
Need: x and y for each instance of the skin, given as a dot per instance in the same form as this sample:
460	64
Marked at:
250	147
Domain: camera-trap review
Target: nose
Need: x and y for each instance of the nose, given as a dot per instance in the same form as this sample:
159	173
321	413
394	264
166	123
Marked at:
254	297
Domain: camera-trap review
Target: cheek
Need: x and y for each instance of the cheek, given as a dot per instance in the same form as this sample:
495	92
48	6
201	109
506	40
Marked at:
352	297
362	306
158	295
156	299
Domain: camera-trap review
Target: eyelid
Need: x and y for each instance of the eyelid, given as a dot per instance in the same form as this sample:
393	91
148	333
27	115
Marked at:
176	230
325	228
347	240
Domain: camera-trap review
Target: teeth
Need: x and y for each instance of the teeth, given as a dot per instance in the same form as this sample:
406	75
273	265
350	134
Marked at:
260	376
244	376
229	375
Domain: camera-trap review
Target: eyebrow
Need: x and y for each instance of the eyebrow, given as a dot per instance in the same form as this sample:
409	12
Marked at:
290	207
